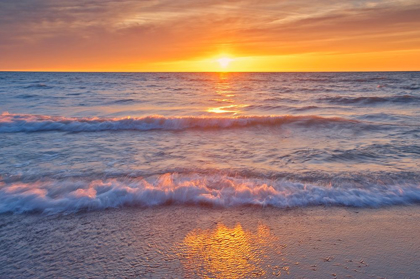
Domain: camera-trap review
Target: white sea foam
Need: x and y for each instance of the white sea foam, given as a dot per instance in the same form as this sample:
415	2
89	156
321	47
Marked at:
12	123
195	189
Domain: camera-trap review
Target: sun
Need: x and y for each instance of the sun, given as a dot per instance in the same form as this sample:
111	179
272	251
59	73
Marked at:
224	62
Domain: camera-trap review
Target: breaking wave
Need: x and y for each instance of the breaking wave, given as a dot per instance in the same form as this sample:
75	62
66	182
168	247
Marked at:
404	99
12	123
56	196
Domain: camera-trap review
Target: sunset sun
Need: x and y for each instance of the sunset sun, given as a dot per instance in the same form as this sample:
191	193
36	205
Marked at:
224	62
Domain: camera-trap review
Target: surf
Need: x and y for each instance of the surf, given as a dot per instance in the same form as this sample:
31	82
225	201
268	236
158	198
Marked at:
73	195
13	123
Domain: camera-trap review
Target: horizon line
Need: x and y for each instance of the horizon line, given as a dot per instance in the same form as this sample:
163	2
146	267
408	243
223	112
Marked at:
211	72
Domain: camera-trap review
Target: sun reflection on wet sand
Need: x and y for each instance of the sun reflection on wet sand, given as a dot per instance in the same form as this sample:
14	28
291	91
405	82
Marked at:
226	252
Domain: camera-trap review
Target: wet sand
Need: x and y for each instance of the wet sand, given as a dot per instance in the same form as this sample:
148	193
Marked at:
195	242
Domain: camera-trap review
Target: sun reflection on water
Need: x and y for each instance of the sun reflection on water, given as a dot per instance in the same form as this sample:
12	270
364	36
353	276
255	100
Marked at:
226	252
227	99
235	109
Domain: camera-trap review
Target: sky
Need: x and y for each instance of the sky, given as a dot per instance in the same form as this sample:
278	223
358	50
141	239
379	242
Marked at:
196	35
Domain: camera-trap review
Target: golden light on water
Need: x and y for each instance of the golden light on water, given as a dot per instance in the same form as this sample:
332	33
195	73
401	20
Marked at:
226	252
233	109
227	103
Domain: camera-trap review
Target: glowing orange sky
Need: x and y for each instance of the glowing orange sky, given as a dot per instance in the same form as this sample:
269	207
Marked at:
190	35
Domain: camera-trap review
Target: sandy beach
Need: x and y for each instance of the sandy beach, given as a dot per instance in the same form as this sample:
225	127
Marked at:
185	242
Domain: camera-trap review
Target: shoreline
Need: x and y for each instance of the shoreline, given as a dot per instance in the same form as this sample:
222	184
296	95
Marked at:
309	242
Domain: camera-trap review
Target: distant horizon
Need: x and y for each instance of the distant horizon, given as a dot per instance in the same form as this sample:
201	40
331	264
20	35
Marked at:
228	72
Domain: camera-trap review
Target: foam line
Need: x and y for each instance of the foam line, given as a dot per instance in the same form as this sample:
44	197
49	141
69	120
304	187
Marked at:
55	196
12	123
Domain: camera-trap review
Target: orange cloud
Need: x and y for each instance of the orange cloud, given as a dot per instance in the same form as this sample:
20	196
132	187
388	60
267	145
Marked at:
185	35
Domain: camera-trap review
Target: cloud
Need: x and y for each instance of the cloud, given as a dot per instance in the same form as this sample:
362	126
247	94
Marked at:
35	33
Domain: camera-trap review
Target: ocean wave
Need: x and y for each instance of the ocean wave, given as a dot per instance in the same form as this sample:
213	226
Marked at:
27	96
12	123
306	108
122	101
370	79
38	86
56	196
411	87
372	99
